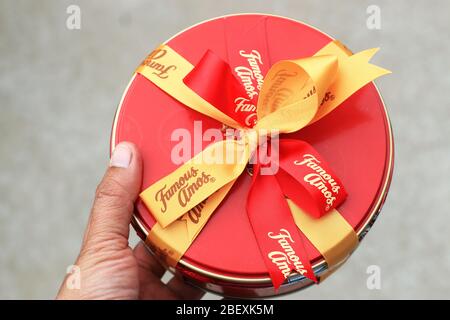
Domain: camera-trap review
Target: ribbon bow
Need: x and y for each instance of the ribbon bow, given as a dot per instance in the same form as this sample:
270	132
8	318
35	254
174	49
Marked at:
287	183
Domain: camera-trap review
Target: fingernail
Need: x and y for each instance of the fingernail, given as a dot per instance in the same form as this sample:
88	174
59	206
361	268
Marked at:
121	156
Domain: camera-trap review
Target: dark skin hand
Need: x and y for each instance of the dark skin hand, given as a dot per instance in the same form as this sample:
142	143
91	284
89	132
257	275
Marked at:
109	268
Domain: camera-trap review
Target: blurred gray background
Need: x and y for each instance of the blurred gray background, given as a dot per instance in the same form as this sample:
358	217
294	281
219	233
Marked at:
59	89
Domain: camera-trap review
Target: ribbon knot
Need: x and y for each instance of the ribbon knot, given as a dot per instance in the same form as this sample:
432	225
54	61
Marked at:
253	138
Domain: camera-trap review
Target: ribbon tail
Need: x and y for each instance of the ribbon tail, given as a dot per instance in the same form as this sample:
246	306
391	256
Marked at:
172	242
331	235
197	217
186	187
314	191
278	237
355	72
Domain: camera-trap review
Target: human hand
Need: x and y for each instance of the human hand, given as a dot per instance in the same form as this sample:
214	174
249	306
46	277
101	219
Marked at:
109	268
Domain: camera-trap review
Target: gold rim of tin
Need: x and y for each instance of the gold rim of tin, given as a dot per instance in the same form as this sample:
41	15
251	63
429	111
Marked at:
321	264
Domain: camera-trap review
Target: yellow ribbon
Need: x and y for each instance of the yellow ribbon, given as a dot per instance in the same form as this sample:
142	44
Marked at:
295	94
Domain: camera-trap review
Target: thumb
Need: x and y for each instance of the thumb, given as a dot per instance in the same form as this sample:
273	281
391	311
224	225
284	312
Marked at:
115	196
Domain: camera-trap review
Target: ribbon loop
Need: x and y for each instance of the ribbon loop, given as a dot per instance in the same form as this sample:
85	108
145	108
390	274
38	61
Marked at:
221	88
292	117
292	90
307	179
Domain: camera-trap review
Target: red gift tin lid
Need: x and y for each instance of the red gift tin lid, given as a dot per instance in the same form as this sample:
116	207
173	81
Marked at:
355	139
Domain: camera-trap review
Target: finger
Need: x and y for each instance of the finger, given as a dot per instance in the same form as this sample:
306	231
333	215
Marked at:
150	272
150	269
115	195
147	262
184	290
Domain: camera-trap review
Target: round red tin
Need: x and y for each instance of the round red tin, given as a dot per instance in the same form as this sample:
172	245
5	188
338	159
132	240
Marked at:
355	139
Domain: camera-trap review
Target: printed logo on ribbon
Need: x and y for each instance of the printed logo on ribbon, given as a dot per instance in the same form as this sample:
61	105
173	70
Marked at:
252	79
320	179
287	259
160	69
246	105
195	213
185	188
277	93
